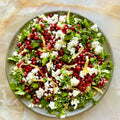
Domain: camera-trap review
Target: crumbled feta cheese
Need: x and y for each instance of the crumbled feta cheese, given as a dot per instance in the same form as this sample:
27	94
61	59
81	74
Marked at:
74	81
55	74
31	76
75	103
59	44
31	105
80	44
98	50
75	92
46	84
106	71
40	106
95	44
73	42
60	34
62	18
35	70
54	53
60	24
63	116
56	89
44	55
40	92
49	65
94	28
72	50
28	62
15	53
99	34
90	71
52	105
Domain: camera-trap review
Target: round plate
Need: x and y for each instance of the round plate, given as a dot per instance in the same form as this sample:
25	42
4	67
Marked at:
40	110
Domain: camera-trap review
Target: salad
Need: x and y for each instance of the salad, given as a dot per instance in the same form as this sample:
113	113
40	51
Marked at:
59	63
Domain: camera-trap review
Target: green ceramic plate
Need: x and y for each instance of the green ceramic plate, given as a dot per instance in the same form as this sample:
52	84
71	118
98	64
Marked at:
40	110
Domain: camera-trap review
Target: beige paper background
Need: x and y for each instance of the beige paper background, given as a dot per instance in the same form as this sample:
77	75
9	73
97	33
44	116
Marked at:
105	13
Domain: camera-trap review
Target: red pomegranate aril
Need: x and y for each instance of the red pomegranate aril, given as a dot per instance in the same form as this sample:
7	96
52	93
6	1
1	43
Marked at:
41	44
59	65
22	81
19	44
33	59
77	68
89	78
31	35
28	90
36	37
93	75
37	101
50	15
72	28
100	62
33	29
42	25
49	47
78	25
58	28
84	88
43	33
81	55
51	98
91	66
34	62
90	38
76	74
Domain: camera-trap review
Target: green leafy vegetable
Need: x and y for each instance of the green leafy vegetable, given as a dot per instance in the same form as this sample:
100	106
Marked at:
13	58
68	35
44	61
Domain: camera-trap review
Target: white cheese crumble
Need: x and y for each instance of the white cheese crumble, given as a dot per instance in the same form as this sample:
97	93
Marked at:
60	24
94	28
60	34
63	116
95	44
62	18
31	105
55	74
75	103
90	71
44	55
46	86
76	92
59	44
98	50
40	92
15	53
49	65
74	81
99	34
54	53
52	105
31	76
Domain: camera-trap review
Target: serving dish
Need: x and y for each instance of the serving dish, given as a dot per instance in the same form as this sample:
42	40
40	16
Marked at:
97	97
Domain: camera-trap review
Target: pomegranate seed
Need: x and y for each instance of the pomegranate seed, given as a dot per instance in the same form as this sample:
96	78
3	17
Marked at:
31	35
72	28
78	25
28	90
33	59
90	38
51	98
19	44
77	68
100	62
36	37
58	28
22	81
50	15
93	75
33	29
42	25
